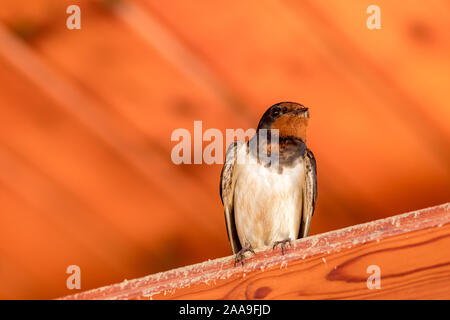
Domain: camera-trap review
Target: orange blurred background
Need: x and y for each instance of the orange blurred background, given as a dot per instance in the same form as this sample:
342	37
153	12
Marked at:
86	116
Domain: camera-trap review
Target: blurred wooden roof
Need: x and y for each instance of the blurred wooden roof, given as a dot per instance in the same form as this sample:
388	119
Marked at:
86	118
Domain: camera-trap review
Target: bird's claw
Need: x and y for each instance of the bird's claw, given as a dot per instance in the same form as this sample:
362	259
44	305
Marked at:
283	243
240	256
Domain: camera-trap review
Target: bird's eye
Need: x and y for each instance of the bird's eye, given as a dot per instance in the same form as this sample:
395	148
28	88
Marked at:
275	112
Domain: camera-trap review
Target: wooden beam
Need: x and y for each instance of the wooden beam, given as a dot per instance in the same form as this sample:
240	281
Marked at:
410	250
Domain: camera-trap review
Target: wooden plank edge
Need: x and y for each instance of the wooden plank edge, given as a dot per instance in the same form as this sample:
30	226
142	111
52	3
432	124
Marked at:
223	268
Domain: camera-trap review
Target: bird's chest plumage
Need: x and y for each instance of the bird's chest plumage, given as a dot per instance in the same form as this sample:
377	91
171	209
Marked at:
267	204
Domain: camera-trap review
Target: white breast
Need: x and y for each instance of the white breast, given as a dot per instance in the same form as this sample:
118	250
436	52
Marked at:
267	205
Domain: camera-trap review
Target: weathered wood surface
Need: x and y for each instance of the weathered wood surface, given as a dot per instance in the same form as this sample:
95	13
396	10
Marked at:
411	250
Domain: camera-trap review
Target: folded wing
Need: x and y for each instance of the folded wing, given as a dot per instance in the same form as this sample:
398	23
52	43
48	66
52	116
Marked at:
309	192
227	194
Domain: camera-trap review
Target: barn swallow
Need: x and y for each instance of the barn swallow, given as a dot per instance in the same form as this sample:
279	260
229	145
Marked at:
268	203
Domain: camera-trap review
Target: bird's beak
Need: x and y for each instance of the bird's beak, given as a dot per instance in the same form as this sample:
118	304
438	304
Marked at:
301	111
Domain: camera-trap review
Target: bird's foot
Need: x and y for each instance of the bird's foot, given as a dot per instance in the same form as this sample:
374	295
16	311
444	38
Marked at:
282	244
240	256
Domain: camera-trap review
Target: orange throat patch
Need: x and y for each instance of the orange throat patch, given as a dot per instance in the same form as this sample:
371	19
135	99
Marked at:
291	126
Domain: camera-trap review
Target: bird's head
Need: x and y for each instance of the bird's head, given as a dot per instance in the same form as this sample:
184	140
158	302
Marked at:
289	118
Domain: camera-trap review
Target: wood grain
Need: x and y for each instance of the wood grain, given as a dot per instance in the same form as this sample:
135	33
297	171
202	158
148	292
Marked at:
411	251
